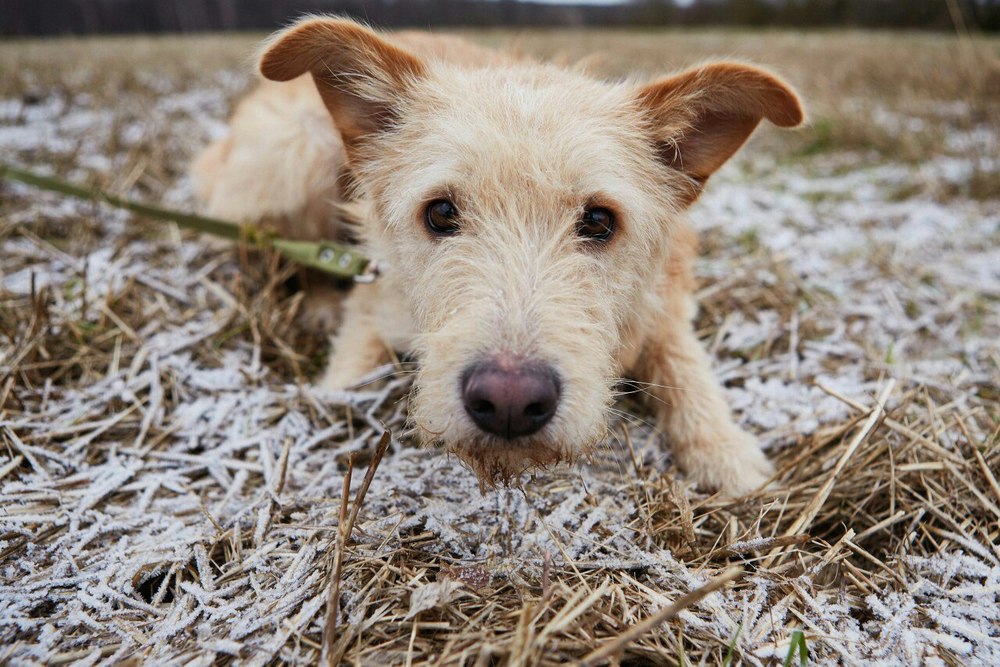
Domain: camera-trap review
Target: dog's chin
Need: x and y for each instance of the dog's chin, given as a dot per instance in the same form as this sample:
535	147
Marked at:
502	463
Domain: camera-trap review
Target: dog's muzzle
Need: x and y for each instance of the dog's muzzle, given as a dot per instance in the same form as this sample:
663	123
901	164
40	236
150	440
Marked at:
510	399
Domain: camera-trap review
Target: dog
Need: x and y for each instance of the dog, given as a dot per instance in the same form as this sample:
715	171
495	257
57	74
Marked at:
529	224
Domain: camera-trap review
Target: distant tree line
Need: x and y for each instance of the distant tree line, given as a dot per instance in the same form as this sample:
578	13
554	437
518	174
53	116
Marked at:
54	17
884	14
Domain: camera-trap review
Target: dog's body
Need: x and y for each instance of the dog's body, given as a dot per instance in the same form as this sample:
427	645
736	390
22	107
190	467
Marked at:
529	225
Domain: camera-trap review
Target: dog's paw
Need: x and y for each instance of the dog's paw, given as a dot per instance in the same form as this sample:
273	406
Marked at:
356	354
732	464
339	377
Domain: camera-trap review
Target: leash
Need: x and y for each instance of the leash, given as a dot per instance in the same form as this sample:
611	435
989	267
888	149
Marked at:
333	258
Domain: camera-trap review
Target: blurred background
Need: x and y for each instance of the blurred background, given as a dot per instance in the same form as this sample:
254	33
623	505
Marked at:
55	17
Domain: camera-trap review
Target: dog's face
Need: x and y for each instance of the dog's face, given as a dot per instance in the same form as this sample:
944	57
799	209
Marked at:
527	213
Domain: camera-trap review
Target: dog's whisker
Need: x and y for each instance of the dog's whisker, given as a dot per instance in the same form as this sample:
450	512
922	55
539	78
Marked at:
645	392
629	381
632	419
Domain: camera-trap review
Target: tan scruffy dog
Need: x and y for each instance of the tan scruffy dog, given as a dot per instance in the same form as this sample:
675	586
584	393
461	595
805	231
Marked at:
529	222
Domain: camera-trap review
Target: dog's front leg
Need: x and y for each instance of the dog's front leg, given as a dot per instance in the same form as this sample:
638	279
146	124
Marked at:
706	442
358	348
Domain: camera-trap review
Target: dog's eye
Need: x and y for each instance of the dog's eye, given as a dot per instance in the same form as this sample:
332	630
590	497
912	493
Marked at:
441	217
597	224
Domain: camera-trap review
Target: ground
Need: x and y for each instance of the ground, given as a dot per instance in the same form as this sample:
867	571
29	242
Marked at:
171	485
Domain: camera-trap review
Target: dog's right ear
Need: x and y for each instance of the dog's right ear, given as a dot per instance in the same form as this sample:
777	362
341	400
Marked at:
360	76
702	116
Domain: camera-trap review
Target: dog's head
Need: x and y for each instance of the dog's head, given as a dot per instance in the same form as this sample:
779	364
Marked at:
528	212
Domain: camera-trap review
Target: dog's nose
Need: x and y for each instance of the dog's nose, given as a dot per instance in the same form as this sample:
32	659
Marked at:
510	399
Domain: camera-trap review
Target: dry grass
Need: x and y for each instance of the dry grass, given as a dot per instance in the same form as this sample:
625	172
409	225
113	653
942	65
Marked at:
907	474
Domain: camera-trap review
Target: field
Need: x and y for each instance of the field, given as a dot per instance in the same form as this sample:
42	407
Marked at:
171	485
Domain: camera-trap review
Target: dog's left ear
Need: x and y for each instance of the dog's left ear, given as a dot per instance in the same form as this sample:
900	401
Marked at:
702	116
360	75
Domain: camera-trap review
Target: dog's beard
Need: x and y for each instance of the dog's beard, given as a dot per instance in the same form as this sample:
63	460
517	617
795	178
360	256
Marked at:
500	463
497	464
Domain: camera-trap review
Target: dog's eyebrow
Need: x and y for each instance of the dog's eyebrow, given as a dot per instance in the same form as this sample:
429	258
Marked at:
603	200
449	192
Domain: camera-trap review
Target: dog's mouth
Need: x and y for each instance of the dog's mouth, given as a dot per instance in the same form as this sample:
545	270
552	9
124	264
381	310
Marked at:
504	463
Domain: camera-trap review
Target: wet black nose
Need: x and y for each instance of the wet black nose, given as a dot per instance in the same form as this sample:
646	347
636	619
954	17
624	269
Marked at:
510	399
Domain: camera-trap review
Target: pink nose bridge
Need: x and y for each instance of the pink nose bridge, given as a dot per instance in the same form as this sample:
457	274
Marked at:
510	399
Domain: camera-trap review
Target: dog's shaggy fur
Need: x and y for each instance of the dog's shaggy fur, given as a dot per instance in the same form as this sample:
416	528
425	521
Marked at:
521	149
